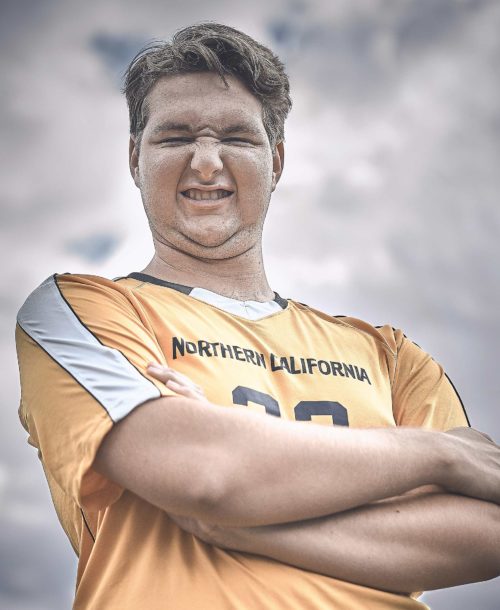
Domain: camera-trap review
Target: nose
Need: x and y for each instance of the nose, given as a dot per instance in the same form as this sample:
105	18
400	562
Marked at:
206	160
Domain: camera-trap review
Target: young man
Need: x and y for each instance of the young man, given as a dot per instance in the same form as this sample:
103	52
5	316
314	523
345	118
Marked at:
171	501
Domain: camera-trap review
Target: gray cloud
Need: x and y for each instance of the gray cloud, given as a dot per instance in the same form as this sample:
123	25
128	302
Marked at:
94	248
392	165
116	50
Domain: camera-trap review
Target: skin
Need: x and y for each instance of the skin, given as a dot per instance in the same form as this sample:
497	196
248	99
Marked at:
217	246
415	533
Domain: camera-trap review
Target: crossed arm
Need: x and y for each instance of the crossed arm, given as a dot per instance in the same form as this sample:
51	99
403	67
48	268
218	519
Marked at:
347	520
411	543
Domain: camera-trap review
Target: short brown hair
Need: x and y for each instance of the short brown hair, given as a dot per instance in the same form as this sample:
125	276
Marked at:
211	47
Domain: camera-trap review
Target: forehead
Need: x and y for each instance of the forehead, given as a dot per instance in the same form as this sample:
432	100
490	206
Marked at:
201	99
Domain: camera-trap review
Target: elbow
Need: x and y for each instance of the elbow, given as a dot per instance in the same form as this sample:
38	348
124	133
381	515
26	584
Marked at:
207	500
223	495
208	491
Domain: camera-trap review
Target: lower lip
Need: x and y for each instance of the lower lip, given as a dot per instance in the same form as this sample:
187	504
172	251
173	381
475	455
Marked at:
207	204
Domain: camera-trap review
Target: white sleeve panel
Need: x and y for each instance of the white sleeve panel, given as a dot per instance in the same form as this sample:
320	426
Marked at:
103	371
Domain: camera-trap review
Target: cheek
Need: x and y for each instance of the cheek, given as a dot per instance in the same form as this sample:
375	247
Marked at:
160	170
259	182
252	170
158	185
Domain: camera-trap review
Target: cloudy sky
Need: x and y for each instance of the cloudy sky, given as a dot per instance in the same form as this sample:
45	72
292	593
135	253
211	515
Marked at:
388	209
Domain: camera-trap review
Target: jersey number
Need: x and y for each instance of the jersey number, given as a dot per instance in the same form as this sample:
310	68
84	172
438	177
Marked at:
304	410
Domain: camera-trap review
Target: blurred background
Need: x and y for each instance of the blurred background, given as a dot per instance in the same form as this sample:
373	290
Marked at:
388	209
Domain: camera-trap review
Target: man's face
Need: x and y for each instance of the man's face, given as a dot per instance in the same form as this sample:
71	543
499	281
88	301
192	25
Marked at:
205	167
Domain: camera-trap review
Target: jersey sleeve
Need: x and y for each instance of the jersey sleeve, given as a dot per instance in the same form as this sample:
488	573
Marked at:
83	346
423	395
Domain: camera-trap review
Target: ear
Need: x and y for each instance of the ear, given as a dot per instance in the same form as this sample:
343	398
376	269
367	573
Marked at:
278	164
133	159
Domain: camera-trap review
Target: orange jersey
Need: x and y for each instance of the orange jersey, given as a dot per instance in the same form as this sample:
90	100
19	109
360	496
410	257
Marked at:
84	344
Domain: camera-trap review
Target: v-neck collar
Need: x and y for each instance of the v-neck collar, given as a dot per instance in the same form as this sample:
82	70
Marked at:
252	310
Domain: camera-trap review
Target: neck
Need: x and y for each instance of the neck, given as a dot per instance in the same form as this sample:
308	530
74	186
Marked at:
240	277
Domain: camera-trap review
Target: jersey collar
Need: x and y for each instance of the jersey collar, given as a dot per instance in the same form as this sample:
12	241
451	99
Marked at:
248	309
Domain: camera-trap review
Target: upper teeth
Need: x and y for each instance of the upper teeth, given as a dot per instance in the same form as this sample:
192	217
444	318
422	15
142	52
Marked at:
200	195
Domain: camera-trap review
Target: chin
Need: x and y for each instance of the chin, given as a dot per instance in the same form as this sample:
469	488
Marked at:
208	241
212	242
211	235
216	247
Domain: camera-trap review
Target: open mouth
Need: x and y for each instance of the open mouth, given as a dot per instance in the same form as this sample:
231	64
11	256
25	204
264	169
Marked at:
199	195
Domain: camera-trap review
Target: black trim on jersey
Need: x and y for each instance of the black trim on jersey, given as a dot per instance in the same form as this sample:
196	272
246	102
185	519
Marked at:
283	303
85	390
144	277
87	525
458	396
450	381
66	370
103	344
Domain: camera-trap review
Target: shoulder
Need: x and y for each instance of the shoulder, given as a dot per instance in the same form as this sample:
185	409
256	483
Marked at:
74	305
387	334
390	338
60	291
91	329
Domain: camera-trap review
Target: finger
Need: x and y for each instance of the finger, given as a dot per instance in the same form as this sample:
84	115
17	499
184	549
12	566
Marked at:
159	371
184	390
484	435
164	373
178	382
177	387
183	379
468	433
180	378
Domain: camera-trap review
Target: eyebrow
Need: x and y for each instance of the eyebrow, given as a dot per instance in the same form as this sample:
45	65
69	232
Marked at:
184	127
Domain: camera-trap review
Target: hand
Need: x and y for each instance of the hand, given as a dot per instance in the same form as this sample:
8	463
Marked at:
182	385
475	468
179	383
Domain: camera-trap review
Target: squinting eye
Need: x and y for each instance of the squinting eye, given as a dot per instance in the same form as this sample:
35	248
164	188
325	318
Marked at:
175	141
235	141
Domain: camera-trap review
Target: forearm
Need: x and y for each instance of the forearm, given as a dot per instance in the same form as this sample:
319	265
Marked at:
230	458
413	543
328	470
